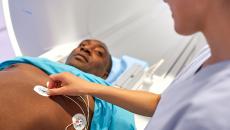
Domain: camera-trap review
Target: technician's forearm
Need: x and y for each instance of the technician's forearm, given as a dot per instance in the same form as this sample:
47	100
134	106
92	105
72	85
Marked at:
140	102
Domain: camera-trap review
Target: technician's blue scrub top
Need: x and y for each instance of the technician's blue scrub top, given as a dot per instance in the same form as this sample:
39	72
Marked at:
199	102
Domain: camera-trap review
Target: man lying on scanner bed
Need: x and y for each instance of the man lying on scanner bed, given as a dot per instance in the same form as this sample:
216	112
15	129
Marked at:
24	109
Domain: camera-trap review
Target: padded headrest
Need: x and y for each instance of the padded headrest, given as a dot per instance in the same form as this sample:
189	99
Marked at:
121	65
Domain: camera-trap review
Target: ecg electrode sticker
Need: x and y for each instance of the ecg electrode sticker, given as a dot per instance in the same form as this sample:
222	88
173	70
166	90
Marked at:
79	121
41	90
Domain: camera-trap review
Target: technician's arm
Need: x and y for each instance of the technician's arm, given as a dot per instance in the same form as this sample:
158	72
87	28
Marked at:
139	102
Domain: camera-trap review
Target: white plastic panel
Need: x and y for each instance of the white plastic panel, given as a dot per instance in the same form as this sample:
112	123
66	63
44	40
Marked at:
40	25
6	50
113	15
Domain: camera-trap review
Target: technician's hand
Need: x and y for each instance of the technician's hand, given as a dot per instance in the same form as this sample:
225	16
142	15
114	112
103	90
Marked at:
68	84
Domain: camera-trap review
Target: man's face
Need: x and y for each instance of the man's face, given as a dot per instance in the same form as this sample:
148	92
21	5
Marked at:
90	56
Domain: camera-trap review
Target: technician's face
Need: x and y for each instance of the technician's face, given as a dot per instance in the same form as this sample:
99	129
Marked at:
187	15
90	56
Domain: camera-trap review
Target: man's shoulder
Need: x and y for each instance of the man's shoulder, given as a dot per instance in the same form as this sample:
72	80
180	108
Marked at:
52	67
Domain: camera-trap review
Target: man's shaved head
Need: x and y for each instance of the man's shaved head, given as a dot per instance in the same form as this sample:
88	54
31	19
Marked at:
91	56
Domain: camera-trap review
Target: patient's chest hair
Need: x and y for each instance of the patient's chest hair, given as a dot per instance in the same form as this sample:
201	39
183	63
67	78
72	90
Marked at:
79	120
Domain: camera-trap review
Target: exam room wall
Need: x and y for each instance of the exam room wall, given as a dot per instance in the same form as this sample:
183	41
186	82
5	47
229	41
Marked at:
6	50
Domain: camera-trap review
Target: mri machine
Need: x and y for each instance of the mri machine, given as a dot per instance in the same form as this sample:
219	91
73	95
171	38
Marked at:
146	51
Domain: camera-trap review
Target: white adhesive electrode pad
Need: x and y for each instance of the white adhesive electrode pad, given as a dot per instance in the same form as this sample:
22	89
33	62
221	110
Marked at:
79	121
41	90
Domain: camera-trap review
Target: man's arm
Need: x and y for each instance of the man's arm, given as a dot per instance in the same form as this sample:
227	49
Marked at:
139	102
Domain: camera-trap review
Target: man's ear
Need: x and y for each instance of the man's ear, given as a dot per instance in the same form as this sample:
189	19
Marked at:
106	74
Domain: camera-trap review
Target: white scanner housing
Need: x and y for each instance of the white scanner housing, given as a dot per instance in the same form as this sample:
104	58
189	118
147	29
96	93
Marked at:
142	29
